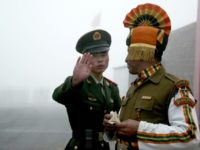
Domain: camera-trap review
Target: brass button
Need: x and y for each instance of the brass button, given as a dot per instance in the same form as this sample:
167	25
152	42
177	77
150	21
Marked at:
102	144
111	100
75	147
91	108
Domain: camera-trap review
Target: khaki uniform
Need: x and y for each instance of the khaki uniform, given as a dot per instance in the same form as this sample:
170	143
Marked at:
150	101
160	103
86	106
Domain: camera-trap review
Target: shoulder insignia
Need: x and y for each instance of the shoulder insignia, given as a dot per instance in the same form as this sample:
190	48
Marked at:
185	100
108	82
182	84
183	92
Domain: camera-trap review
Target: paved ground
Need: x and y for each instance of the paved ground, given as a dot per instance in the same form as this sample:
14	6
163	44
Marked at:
34	128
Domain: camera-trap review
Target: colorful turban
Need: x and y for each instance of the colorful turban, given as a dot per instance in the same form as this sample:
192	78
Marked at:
149	27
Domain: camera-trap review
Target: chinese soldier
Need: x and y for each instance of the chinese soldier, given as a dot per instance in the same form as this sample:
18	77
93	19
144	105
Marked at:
87	94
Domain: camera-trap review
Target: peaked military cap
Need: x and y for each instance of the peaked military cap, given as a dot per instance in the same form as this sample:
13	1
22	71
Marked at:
95	41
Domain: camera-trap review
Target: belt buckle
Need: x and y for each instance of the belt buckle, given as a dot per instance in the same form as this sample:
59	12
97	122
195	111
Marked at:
121	146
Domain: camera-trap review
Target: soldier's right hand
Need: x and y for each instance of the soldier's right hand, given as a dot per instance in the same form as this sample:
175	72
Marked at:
82	69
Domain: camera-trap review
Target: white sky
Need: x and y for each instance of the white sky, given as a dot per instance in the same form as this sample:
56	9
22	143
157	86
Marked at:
38	37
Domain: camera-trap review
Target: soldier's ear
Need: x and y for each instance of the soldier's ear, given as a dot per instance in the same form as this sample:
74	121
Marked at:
128	39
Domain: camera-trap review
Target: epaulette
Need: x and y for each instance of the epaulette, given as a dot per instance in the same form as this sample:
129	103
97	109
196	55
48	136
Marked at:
110	81
172	77
184	90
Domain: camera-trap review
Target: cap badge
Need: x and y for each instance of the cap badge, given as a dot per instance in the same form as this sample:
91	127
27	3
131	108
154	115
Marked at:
96	36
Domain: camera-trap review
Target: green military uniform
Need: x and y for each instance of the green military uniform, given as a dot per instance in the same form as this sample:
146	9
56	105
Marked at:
89	101
86	106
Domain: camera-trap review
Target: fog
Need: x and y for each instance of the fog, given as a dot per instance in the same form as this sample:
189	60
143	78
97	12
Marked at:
38	37
37	53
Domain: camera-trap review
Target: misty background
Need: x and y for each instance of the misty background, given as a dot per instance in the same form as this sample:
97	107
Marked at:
37	53
38	37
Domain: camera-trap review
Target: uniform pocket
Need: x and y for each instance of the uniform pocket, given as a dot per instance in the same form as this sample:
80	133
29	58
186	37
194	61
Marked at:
145	103
92	103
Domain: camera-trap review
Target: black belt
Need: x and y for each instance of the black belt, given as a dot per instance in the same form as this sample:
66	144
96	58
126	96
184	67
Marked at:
88	134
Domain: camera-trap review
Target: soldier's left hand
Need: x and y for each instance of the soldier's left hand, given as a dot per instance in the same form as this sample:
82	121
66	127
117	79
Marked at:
128	127
107	125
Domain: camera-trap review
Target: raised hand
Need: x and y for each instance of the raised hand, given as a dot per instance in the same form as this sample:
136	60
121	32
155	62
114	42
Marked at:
82	69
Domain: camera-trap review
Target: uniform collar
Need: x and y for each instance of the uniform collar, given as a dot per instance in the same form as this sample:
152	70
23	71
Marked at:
97	81
158	75
149	73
